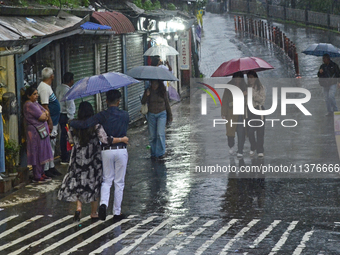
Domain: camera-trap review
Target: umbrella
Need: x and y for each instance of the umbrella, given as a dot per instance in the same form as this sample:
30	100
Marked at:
161	50
97	84
173	95
319	49
242	65
151	73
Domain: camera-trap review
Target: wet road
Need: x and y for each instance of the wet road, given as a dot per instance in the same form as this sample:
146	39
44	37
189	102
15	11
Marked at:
172	210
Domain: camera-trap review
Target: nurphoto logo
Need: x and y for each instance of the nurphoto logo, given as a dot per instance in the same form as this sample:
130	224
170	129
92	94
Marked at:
239	104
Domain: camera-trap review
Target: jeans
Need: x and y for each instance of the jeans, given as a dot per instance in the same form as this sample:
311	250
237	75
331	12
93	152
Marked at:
241	137
329	93
114	169
63	137
157	123
256	137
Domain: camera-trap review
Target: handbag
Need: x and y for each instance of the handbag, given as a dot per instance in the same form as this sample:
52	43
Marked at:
144	109
42	131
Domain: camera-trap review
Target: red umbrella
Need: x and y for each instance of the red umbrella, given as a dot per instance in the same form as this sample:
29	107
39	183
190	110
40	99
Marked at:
242	65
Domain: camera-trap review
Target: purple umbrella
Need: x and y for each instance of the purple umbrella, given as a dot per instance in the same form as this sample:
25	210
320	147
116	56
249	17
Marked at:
98	84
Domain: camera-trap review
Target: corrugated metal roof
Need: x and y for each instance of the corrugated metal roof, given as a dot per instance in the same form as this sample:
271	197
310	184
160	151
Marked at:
20	30
94	26
116	20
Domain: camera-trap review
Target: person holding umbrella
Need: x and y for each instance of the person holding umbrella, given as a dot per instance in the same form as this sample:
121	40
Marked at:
328	74
227	113
159	114
256	133
159	111
82	183
115	123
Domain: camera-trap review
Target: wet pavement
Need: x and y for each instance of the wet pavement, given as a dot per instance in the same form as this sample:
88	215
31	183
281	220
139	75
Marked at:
172	210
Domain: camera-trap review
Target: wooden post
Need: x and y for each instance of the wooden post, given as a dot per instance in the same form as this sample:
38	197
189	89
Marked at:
235	23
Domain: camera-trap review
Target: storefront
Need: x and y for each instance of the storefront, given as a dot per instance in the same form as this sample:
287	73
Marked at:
123	52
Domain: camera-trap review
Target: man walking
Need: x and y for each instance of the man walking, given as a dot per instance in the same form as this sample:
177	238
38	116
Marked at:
49	101
67	112
115	123
328	74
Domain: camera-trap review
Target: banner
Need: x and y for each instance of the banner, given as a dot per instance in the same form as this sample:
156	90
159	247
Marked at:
184	53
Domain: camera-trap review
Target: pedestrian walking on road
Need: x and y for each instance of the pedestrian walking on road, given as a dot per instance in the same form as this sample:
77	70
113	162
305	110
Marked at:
159	114
227	113
328	78
256	129
50	102
38	143
82	183
115	123
67	111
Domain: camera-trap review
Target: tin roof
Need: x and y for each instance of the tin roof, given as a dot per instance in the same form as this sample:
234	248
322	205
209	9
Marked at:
116	20
21	30
94	26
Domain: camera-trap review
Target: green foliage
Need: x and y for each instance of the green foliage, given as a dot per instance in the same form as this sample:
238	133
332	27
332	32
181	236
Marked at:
157	5
200	4
64	3
138	3
148	5
12	150
171	7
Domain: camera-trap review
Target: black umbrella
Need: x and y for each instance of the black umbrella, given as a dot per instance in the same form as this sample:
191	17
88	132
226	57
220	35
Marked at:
151	73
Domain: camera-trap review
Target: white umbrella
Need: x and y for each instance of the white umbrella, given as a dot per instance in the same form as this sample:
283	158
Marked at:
161	50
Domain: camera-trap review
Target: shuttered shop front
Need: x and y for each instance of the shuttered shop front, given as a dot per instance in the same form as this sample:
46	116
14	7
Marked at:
134	57
82	64
111	60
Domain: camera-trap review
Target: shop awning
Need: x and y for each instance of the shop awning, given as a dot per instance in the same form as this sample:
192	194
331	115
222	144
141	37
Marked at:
116	20
21	30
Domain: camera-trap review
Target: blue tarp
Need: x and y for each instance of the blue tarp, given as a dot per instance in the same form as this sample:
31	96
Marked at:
94	26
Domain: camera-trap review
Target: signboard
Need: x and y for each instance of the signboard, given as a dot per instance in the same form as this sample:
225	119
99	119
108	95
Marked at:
184	53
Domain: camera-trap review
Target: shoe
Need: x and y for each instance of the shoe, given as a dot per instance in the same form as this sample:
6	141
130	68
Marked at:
49	174
118	217
231	151
153	158
76	216
54	171
102	212
239	155
64	163
251	153
161	157
46	178
329	114
260	155
41	180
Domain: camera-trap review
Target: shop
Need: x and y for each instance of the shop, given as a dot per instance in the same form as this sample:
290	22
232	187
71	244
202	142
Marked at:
122	53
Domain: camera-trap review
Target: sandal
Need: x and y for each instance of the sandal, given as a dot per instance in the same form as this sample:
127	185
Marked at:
76	216
94	217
